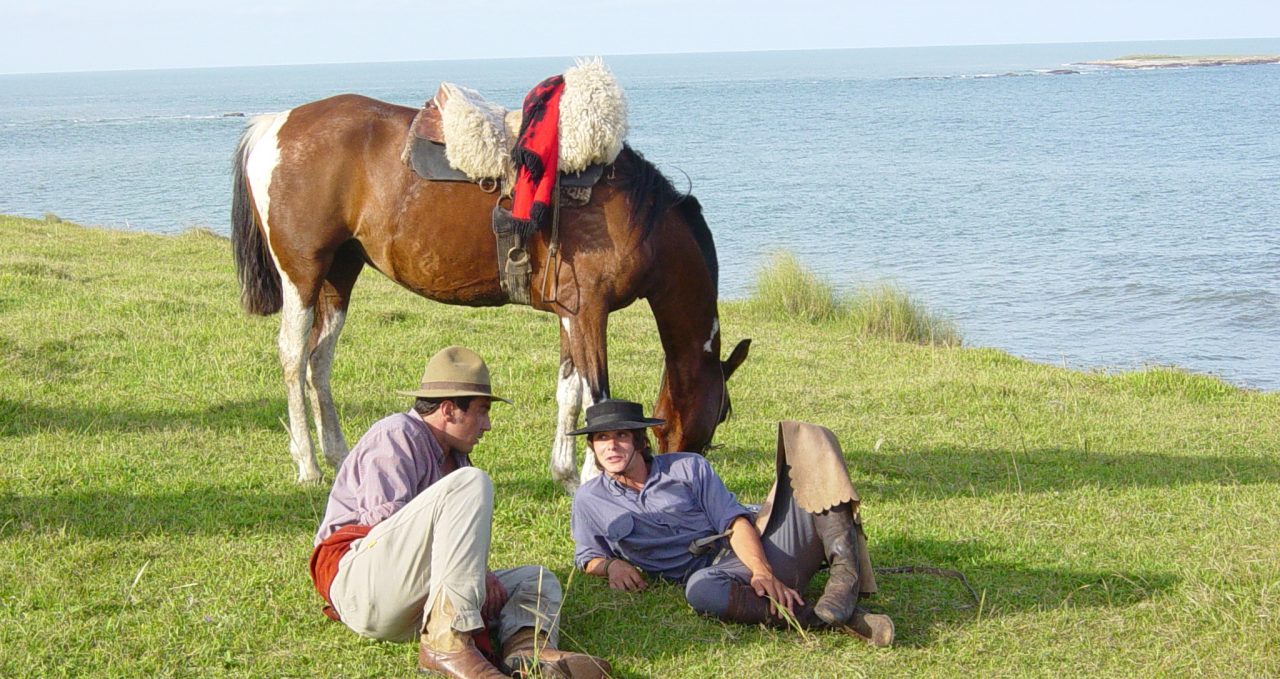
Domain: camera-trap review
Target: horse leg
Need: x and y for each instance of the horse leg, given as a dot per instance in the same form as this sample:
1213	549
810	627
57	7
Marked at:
583	376
296	320
331	313
569	391
328	325
587	339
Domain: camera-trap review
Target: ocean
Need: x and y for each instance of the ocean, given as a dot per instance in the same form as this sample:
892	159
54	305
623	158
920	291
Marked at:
1100	219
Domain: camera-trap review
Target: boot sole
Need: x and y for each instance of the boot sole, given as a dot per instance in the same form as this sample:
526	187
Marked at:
882	635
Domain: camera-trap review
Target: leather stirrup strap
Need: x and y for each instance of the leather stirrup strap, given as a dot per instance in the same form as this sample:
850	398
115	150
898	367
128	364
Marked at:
513	259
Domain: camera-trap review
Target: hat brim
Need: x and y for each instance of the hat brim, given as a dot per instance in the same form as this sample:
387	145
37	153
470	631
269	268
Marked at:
443	393
618	425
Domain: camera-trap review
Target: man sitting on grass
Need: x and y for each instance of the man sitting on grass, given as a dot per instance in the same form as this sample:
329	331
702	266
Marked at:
403	549
670	516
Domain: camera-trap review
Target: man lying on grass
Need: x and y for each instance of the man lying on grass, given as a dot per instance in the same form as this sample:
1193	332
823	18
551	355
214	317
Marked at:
405	539
672	517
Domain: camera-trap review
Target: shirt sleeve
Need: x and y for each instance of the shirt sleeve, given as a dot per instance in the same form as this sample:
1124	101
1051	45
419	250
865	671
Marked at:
387	478
588	536
720	505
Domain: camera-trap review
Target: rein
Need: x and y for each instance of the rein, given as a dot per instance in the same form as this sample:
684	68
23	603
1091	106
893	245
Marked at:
931	570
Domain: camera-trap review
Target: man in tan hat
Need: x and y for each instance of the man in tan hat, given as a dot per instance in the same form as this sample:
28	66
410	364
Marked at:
670	516
403	549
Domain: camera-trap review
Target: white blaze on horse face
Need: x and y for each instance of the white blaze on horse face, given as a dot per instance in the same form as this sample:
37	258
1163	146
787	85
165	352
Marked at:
715	329
564	323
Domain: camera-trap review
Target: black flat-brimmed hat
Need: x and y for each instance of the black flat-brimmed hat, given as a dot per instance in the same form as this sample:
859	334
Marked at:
454	372
614	414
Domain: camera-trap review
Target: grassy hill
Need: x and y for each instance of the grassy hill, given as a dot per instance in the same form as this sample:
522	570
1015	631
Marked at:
150	525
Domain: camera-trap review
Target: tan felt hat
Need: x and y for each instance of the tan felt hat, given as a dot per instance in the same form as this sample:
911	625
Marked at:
454	371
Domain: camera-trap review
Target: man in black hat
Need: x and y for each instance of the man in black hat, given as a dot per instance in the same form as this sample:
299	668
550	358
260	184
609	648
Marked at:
671	516
402	551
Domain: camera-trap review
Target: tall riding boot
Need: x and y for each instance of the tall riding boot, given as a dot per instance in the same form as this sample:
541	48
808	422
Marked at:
448	652
840	544
529	653
745	607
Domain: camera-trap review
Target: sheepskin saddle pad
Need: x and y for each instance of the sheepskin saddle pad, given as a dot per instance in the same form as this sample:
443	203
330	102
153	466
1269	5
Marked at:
476	136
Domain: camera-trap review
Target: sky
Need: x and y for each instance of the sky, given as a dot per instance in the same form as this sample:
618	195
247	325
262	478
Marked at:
38	36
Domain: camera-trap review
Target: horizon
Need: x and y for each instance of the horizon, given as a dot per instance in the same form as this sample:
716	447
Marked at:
78	36
654	54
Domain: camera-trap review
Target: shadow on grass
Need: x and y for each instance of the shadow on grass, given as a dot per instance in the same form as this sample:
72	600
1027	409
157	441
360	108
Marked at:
209	510
18	418
958	472
922	606
948	472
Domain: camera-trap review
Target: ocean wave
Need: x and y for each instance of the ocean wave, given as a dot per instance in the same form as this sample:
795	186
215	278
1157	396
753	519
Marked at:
57	123
1072	70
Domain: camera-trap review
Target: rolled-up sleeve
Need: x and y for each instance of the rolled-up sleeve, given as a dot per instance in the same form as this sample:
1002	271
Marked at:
588	534
720	505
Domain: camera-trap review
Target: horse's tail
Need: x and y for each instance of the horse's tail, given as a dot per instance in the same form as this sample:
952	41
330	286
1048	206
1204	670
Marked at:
259	280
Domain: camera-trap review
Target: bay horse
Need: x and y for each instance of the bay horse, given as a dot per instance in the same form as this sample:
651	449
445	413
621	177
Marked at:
320	191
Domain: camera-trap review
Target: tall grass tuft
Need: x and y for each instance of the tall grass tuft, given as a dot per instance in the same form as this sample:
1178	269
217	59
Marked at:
888	312
784	287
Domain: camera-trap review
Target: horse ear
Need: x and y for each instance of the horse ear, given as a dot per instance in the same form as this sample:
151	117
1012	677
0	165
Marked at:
736	357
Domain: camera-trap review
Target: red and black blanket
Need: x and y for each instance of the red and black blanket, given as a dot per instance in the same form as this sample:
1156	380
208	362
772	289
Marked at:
537	156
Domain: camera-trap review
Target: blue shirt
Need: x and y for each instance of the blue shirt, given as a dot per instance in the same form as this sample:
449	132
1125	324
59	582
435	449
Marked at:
682	500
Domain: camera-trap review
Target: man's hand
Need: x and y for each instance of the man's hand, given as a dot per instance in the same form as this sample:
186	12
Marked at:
778	594
495	597
623	576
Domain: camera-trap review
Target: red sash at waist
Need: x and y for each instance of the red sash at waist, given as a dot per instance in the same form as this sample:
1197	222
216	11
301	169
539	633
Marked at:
325	558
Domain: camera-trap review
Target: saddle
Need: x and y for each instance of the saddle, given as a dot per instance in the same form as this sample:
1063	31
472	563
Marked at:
460	136
472	144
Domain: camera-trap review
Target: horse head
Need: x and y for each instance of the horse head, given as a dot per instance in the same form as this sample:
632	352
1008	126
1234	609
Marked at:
707	403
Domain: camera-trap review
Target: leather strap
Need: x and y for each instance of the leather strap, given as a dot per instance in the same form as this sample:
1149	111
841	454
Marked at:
513	259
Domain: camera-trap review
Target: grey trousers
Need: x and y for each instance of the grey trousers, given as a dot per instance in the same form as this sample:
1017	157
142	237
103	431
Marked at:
438	545
791	545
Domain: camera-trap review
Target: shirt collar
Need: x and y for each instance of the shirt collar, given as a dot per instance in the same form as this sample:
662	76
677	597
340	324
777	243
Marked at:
614	487
433	446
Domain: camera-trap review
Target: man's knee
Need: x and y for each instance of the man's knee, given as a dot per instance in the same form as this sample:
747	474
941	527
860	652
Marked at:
470	480
707	591
536	580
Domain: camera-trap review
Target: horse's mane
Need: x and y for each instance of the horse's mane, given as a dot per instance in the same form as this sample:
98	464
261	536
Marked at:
651	194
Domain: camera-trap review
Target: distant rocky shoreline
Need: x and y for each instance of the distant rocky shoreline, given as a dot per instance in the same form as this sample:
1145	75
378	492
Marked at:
1170	61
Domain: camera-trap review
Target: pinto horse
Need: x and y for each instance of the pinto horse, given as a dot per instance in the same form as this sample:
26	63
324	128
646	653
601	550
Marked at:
320	191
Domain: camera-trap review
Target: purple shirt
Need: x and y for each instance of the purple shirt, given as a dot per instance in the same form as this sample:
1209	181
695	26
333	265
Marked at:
394	461
681	501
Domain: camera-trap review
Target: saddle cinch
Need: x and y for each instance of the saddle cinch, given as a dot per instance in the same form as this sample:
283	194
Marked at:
460	136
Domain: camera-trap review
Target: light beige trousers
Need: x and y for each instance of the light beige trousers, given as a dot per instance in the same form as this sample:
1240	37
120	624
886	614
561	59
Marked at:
438	545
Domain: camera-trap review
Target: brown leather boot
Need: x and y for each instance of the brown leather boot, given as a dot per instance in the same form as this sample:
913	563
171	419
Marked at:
874	628
450	653
530	654
745	607
835	528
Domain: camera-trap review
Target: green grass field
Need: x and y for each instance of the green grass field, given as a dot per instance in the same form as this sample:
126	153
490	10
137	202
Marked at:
150	525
